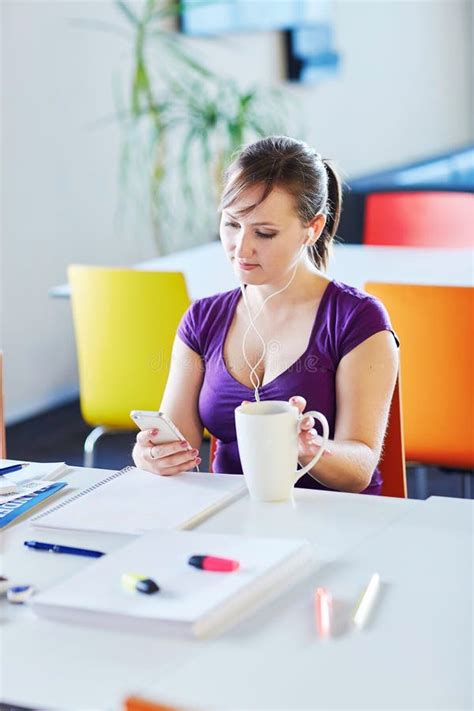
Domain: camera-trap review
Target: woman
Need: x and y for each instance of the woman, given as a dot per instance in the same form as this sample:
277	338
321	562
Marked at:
329	347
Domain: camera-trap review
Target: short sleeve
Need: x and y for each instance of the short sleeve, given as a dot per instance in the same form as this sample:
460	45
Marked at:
189	329
367	318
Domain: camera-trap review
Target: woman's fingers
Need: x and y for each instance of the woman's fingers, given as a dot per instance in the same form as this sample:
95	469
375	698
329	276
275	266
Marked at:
165	459
170	459
298	402
147	436
173	465
168	465
311	440
307	423
159	451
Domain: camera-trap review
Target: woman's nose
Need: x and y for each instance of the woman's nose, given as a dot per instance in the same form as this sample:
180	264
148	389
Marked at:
244	245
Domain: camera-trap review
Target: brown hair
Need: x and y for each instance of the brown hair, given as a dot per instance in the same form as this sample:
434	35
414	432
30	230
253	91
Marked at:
279	161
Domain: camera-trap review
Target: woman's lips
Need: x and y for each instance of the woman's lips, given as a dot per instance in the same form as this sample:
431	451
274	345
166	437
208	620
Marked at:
247	267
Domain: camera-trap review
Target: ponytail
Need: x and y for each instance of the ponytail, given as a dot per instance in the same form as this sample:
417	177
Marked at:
320	251
334	202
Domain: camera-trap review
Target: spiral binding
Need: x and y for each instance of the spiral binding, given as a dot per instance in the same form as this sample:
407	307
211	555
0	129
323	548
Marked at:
53	509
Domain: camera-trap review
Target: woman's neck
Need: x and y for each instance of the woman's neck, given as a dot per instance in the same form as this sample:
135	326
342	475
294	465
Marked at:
305	285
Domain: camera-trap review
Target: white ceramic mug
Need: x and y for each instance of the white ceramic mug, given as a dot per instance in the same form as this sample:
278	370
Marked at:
267	436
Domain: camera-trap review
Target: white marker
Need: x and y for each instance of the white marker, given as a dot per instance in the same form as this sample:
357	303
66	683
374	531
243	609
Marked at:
366	602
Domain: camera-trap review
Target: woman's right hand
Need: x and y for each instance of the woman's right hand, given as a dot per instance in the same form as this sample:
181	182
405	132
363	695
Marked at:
164	459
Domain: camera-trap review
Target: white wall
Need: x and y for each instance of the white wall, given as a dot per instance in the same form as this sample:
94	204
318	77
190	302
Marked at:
59	175
404	91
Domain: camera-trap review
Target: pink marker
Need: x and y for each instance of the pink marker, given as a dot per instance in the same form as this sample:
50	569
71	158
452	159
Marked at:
218	565
323	612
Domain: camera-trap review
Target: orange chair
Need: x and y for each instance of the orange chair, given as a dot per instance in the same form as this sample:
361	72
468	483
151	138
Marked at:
392	463
136	703
420	219
3	446
435	328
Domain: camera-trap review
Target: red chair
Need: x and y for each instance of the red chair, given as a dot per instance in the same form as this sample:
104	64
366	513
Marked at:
392	462
419	219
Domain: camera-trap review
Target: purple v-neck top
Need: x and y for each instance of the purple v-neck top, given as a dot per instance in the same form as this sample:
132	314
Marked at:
345	318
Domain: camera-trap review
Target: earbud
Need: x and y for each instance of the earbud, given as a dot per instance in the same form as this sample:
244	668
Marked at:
311	233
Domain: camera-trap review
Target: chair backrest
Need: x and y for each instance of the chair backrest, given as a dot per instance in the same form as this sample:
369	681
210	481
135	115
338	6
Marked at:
419	219
435	328
136	703
3	446
125	322
392	463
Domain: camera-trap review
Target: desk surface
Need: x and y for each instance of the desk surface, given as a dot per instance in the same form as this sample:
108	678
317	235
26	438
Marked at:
208	271
415	653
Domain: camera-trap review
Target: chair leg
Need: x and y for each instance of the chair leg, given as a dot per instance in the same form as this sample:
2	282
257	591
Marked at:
421	482
467	485
90	443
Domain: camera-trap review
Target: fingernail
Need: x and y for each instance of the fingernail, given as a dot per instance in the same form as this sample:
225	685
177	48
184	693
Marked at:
154	432
195	451
184	445
198	460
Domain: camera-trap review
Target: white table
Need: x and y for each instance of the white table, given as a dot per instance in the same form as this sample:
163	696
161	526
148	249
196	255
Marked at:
208	271
414	654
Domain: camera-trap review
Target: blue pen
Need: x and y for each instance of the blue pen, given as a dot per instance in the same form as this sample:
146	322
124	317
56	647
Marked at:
11	468
55	548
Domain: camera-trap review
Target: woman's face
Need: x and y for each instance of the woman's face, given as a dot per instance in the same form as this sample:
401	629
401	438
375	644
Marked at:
264	244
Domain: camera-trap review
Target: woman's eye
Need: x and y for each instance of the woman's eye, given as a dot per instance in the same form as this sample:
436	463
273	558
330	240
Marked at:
234	225
267	235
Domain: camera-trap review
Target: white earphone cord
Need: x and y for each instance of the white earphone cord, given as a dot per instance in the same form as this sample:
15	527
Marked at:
254	378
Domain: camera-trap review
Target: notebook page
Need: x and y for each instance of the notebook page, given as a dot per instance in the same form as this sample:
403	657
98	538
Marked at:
135	501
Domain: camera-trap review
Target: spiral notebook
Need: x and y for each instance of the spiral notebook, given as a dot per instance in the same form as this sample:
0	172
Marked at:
135	501
190	601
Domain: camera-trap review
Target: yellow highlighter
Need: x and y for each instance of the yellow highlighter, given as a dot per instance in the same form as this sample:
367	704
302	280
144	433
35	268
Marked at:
134	582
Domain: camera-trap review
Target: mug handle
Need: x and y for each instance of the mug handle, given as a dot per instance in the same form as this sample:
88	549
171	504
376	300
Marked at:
320	417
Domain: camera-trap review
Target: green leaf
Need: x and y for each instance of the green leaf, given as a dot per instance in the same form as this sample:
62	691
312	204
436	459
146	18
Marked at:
129	14
183	56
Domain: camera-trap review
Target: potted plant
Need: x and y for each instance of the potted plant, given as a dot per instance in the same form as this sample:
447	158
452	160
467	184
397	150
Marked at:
181	124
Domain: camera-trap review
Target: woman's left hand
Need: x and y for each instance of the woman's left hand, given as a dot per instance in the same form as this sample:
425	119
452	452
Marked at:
309	440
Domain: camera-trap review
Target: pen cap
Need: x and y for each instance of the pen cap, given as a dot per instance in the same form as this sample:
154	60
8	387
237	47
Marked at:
212	563
133	582
147	586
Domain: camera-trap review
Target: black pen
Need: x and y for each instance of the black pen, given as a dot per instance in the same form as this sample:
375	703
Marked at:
55	548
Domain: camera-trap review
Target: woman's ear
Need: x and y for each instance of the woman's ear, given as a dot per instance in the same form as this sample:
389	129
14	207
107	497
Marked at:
315	227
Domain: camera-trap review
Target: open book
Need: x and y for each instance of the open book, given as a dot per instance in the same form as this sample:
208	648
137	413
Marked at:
135	501
190	601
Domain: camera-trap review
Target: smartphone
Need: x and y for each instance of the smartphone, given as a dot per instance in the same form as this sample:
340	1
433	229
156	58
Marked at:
148	420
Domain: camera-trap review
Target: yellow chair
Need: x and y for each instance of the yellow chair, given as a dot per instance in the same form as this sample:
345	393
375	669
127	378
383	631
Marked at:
3	446
435	327
125	321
